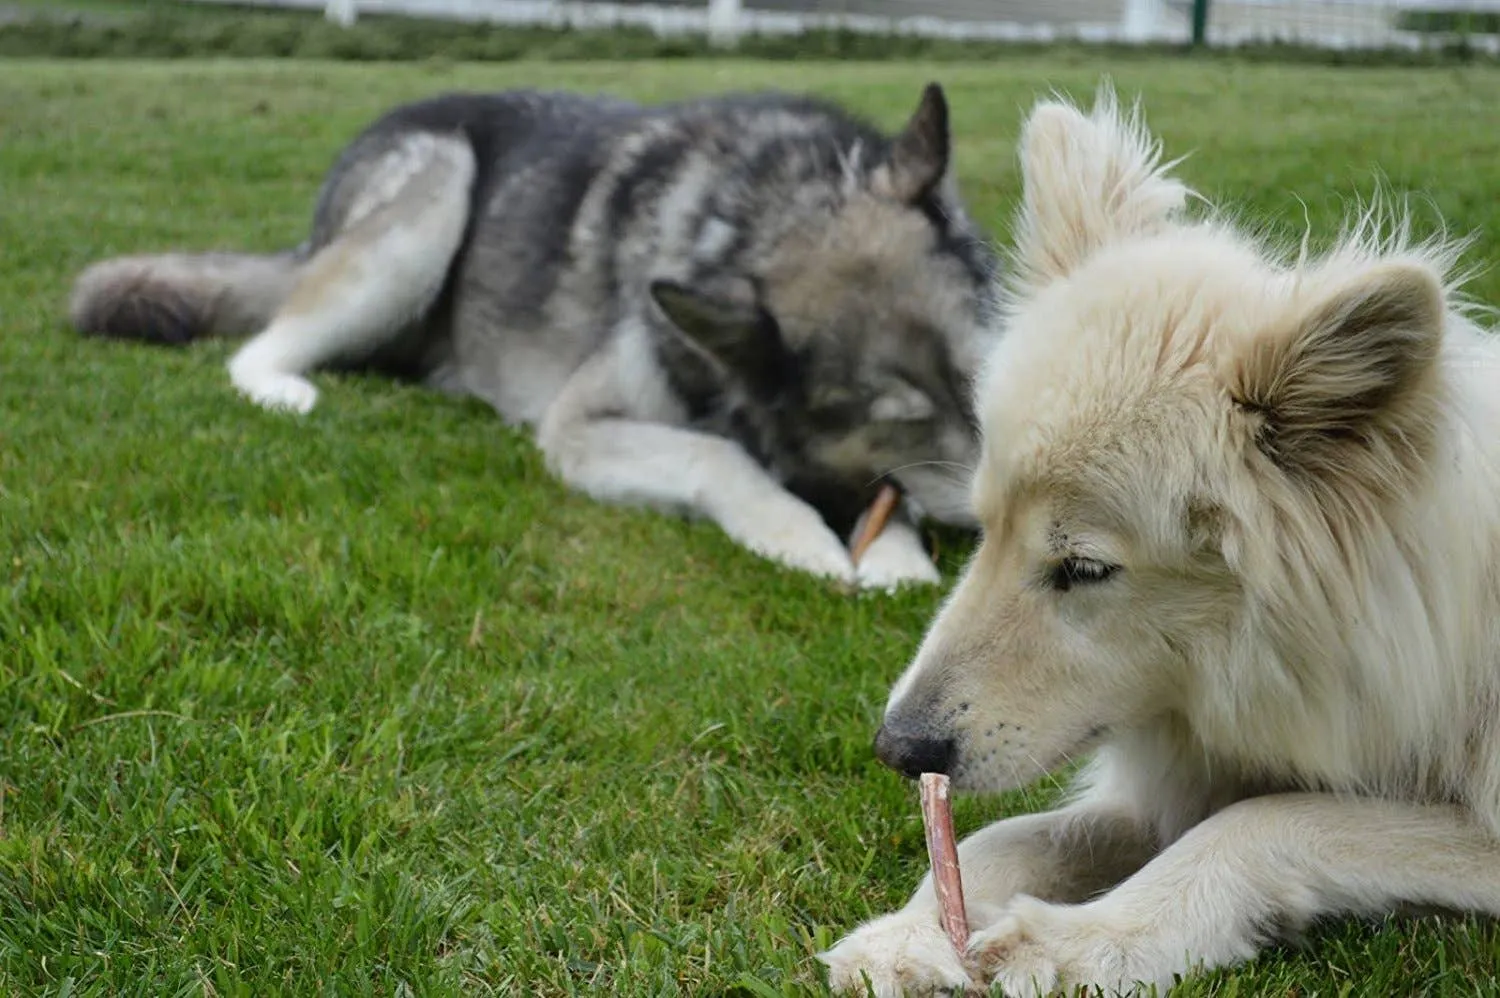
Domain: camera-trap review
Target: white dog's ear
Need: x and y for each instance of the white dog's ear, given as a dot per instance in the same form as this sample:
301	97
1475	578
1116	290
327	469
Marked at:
1345	397
1087	180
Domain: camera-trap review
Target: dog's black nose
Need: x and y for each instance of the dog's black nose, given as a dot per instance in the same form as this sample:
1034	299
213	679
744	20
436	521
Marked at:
912	755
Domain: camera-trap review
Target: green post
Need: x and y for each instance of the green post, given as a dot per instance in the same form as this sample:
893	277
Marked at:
1200	22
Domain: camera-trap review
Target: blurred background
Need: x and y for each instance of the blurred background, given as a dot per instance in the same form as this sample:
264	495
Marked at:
856	27
1337	24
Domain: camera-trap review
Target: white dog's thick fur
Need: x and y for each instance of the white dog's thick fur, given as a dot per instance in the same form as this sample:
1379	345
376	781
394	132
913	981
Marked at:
1241	525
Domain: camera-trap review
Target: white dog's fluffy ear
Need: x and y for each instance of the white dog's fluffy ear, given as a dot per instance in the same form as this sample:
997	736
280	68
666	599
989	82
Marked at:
1345	397
1088	180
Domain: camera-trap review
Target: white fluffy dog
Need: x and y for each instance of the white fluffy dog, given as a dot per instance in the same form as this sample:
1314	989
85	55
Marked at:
1242	542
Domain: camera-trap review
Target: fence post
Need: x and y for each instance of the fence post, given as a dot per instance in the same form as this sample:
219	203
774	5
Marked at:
1141	20
1200	22
724	22
340	12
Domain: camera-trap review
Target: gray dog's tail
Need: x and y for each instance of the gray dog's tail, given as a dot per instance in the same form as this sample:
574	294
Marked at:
175	298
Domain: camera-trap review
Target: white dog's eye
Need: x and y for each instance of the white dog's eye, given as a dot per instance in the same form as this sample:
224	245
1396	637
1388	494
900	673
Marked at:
1072	572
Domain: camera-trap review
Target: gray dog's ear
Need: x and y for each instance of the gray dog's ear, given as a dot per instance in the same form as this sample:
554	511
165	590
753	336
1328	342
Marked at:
724	318
919	155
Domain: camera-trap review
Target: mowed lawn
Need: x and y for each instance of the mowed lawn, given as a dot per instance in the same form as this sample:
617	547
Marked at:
366	704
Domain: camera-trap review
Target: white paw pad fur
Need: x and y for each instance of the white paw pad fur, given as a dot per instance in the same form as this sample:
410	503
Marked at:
1037	949
797	538
897	954
277	392
890	566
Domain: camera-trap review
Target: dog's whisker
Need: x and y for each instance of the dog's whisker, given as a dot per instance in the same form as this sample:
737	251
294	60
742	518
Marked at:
957	470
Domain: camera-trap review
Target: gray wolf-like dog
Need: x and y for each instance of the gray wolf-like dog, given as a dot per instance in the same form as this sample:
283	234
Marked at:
752	307
1241	516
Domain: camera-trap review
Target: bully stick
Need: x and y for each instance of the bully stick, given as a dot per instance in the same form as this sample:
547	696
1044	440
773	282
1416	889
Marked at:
874	521
942	849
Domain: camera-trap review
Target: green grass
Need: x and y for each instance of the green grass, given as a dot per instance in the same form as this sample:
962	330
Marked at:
366	704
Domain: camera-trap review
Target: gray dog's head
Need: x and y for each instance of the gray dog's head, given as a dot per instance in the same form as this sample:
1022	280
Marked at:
843	330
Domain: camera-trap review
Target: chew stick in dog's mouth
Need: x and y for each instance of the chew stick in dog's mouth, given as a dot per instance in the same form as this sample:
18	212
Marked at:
942	849
875	520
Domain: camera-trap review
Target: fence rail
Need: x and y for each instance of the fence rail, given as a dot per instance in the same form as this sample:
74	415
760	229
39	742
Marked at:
1332	24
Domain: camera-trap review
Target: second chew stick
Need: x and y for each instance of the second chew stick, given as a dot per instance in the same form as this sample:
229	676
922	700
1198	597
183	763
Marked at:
874	521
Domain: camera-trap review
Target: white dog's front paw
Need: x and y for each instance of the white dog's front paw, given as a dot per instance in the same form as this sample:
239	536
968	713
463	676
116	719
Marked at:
896	559
897	954
1039	949
275	391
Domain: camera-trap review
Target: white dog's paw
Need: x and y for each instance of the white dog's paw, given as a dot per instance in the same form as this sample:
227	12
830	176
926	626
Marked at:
897	954
1039	949
274	391
1017	955
888	566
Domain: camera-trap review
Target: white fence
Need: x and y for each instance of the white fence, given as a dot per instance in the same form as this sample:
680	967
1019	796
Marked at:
1334	24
